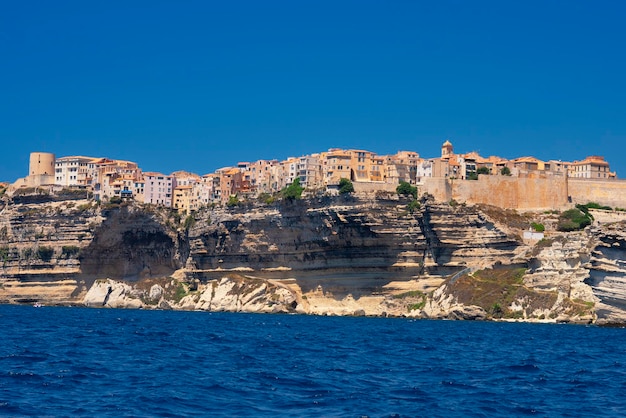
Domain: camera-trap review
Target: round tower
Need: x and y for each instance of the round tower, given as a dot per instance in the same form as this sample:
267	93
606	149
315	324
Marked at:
41	163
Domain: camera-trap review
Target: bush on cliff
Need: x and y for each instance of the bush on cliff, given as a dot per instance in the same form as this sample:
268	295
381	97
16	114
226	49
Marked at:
505	171
413	206
266	198
345	186
45	253
483	170
189	222
406	189
232	201
593	205
538	227
573	220
293	191
67	251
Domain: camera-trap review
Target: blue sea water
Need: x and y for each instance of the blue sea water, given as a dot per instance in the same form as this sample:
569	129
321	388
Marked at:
97	362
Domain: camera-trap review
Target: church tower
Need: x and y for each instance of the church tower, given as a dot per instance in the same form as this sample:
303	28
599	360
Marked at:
447	150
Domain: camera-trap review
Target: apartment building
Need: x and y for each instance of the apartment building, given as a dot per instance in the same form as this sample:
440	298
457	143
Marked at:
158	188
592	167
185	199
336	164
73	171
402	167
309	170
263	176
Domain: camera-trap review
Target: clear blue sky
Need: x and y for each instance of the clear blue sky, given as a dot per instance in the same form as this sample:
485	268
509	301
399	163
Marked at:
198	85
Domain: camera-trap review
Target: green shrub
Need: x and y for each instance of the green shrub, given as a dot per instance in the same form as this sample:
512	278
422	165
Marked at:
472	176
573	220
232	201
345	186
189	222
483	170
45	253
4	254
413	206
538	227
266	198
115	200
505	171
293	191
68	251
406	189
594	205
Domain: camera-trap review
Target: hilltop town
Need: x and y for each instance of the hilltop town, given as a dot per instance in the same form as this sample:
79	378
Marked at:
526	182
450	249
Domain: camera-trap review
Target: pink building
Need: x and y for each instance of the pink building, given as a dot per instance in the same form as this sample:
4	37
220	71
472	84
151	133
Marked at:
158	189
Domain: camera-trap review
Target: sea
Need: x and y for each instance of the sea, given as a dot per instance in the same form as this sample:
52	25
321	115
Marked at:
66	362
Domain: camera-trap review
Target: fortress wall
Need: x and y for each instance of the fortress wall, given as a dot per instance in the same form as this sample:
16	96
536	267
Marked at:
605	192
505	192
439	187
364	187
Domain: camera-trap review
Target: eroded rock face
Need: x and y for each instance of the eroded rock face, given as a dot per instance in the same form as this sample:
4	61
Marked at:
328	256
347	246
53	252
130	244
607	272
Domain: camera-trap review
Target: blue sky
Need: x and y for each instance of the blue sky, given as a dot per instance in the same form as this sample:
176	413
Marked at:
199	85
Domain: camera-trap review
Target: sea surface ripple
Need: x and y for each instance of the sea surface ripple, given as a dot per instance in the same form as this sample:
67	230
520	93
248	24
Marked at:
98	362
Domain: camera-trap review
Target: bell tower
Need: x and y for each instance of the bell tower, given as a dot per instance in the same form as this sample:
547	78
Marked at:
447	150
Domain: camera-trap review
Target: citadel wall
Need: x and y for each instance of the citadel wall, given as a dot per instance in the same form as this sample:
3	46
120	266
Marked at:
506	192
610	193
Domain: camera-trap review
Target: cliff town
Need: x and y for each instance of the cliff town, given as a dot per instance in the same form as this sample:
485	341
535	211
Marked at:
523	183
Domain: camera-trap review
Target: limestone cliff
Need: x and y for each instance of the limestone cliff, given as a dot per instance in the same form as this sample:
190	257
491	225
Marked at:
366	255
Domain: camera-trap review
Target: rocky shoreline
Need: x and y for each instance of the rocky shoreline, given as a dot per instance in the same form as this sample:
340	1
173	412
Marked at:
343	255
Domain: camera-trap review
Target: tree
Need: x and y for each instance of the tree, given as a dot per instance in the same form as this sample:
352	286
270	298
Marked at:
483	170
293	191
506	171
573	220
406	189
345	186
233	200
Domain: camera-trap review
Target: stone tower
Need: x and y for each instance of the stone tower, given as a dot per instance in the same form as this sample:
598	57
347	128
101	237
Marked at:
447	150
41	163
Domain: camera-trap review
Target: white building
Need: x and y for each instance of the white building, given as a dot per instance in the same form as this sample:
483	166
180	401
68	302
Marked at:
158	189
73	171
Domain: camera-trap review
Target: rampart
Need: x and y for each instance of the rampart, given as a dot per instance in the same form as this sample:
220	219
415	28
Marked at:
606	192
506	192
528	193
366	187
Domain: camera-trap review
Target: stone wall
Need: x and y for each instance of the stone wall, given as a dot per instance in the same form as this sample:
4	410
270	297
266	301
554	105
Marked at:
506	192
605	192
363	187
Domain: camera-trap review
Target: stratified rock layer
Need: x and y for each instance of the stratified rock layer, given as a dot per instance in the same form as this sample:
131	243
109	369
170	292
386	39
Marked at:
330	255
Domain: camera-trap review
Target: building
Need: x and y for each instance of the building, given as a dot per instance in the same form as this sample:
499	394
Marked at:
111	177
158	189
402	167
592	167
309	170
74	171
185	199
